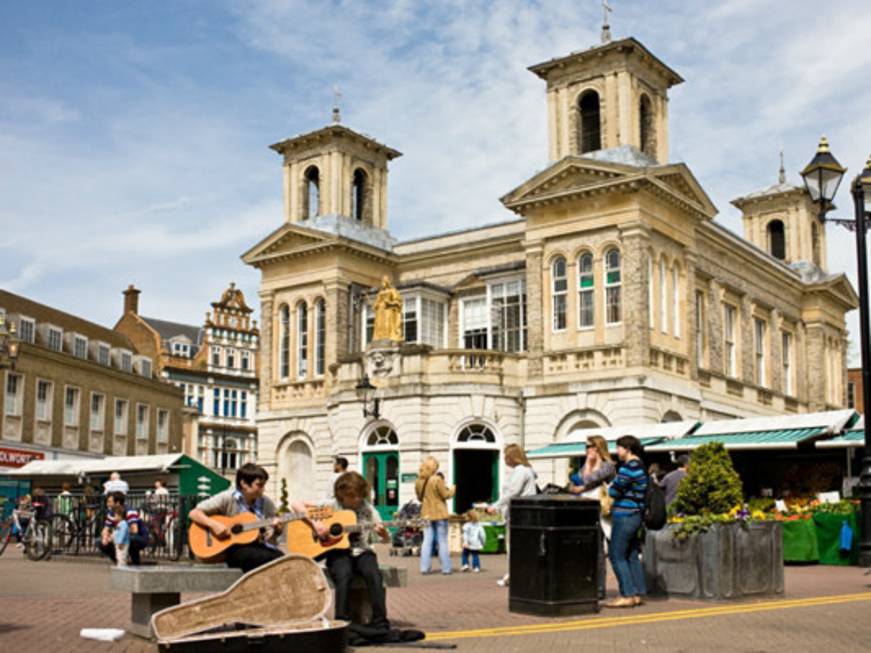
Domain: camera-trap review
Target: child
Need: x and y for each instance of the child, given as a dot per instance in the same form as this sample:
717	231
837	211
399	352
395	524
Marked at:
351	490
473	541
121	535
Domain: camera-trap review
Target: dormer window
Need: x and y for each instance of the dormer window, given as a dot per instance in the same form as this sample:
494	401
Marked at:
80	346
312	192
55	338
103	354
182	349
589	127
125	361
26	329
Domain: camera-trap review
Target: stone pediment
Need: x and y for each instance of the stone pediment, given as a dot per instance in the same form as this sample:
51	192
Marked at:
287	239
841	288
679	180
568	174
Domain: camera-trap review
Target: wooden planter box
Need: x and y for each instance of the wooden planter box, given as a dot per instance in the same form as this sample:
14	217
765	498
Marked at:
726	562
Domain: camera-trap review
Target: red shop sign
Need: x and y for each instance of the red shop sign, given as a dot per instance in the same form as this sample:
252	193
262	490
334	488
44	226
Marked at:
18	457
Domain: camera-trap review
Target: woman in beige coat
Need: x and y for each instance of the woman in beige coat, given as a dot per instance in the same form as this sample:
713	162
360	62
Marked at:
433	495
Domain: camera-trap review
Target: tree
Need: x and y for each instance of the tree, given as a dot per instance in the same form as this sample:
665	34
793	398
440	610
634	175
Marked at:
283	507
711	486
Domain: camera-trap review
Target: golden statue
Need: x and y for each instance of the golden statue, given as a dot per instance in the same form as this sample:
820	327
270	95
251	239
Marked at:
388	313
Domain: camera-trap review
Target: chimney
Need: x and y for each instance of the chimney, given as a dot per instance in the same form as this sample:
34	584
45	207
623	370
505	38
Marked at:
131	300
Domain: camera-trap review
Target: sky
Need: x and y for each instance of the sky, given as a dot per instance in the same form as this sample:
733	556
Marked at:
134	136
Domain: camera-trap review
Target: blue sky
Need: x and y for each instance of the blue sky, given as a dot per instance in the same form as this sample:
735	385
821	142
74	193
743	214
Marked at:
133	136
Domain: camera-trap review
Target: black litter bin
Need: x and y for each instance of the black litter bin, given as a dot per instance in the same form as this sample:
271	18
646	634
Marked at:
554	555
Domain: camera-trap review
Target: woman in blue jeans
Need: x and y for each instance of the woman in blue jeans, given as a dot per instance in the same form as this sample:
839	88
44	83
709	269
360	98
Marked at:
628	490
433	495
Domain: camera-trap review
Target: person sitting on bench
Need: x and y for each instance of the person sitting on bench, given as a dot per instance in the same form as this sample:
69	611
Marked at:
247	496
351	491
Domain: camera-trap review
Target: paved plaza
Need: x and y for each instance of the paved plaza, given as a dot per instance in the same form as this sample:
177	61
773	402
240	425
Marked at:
825	609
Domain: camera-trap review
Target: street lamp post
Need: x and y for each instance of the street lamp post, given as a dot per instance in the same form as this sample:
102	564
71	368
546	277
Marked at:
364	388
822	176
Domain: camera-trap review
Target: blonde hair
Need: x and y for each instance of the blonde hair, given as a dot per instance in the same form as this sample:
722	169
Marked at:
601	445
428	467
471	515
515	456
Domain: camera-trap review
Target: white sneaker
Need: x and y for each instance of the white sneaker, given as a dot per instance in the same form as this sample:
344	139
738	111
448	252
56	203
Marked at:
477	570
465	567
503	582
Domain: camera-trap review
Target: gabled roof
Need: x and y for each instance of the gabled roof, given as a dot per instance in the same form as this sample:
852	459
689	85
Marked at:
168	330
573	177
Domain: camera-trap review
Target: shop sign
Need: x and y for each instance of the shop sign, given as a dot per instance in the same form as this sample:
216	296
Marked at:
18	457
409	478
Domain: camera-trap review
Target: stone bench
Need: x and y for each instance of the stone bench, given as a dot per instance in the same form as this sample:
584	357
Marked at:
361	606
156	588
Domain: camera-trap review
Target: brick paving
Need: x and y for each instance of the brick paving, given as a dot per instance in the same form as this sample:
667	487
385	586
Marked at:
44	605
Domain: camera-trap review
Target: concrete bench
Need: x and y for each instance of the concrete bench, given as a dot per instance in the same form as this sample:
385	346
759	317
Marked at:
361	606
156	588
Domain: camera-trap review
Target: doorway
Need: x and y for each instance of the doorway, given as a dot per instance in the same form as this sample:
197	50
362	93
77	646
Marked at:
476	474
381	469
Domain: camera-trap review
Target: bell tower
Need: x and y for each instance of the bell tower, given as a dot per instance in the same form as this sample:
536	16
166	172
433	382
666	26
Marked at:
337	172
611	96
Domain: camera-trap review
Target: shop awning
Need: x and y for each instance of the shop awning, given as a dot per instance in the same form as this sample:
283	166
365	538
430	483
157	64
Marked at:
849	439
575	443
771	433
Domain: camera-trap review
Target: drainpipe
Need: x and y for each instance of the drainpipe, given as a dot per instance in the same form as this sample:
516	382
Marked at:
521	400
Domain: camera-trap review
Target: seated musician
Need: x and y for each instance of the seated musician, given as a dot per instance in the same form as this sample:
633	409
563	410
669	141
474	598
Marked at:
351	491
247	496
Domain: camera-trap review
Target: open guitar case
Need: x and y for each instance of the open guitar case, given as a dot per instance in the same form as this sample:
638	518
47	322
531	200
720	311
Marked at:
281	606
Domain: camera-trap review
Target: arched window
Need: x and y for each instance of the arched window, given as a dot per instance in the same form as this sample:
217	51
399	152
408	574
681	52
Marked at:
776	239
663	295
612	286
675	300
645	118
382	436
476	433
590	128
560	286
312	192
358	194
284	342
320	335
301	340
586	303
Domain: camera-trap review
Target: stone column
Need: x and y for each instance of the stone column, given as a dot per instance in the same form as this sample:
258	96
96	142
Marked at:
634	268
775	346
815	367
534	309
714	319
747	340
266	350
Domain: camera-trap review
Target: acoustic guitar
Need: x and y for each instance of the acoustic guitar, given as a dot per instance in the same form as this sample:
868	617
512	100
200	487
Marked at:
302	539
244	528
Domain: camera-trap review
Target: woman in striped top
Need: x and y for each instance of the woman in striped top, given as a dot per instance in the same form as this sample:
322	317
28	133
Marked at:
628	490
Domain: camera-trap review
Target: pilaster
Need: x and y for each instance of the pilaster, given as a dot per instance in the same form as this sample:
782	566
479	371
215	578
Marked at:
636	243
714	316
535	308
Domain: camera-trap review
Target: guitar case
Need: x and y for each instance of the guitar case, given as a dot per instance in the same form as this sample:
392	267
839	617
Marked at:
281	606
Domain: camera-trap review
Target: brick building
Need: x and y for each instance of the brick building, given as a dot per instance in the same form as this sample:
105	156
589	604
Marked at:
79	389
216	367
613	297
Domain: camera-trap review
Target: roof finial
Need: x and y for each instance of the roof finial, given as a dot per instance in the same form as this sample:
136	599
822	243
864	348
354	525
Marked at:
782	176
823	147
606	28
337	113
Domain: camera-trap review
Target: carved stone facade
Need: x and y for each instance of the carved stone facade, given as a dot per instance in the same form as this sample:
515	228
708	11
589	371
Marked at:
613	298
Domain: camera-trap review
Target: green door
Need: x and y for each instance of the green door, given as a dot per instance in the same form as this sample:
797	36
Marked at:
381	469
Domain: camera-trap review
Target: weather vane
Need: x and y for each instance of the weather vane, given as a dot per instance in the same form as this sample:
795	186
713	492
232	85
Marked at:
337	113
606	28
782	176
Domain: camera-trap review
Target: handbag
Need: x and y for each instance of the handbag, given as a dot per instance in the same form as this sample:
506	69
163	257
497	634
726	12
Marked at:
605	500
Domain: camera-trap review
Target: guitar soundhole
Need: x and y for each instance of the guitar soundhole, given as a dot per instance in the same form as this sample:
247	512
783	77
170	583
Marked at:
335	530
236	529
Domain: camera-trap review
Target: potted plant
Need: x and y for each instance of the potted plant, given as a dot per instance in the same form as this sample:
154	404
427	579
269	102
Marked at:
713	547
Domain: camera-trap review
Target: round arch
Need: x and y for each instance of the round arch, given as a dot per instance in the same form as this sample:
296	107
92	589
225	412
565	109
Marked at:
671	416
295	456
586	418
475	464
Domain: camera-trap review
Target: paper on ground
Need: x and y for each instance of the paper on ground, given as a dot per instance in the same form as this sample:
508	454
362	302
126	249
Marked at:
102	634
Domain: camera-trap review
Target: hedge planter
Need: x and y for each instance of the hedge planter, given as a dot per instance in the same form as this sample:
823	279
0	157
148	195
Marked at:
728	561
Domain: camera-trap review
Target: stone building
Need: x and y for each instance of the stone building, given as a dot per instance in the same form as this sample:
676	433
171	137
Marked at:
216	367
79	389
614	297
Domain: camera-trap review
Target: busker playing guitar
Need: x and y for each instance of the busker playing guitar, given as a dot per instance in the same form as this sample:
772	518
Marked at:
351	491
246	497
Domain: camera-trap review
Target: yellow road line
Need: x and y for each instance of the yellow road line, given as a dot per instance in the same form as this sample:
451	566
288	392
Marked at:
629	620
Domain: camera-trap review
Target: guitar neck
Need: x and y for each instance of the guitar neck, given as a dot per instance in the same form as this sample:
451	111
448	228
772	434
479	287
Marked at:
359	528
264	523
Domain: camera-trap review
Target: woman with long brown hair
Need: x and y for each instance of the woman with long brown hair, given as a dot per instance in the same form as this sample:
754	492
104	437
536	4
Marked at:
520	483
433	495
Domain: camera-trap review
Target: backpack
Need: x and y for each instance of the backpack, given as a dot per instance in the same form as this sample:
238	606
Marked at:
654	506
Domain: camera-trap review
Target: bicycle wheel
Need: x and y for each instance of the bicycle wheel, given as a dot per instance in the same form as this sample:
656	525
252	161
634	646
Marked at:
62	531
5	535
37	540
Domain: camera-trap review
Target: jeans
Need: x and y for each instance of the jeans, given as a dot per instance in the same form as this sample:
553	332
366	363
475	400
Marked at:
343	567
437	529
476	561
623	552
250	556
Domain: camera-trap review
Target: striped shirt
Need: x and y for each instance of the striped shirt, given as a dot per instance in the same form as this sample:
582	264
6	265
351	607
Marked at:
629	487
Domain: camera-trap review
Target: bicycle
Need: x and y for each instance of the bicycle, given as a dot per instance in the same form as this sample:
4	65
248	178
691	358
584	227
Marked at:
162	533
78	533
36	537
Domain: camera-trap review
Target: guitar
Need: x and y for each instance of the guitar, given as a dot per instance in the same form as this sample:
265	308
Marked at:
302	539
244	528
